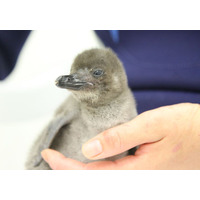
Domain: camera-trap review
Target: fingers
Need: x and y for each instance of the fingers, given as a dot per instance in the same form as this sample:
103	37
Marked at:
126	163
146	128
57	161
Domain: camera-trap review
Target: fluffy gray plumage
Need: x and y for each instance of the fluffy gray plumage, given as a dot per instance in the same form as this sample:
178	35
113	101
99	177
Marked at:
100	99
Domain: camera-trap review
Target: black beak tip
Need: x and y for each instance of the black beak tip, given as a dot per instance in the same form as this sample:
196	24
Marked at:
70	82
58	80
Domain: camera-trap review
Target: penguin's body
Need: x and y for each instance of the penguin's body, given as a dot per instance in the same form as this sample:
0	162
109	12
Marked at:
100	100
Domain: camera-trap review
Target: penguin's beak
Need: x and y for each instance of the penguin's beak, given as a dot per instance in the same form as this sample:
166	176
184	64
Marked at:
71	82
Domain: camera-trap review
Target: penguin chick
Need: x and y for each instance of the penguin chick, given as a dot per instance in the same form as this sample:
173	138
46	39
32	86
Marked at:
100	99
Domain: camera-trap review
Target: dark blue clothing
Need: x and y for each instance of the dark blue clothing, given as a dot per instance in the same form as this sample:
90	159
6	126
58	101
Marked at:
11	43
163	67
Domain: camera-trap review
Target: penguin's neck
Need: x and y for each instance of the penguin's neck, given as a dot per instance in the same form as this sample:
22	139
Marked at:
104	110
106	116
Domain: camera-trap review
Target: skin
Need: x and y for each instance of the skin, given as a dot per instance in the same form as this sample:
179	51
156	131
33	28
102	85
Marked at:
168	136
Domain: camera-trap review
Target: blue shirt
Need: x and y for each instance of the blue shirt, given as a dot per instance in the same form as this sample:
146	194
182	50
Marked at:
11	43
163	67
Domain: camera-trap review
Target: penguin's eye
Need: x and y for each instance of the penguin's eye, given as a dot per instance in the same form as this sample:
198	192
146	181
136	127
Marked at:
98	73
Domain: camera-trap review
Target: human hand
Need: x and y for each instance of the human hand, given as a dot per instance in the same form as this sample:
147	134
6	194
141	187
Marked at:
168	138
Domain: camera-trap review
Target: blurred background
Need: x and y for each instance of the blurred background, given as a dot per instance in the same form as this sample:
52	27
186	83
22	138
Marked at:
28	95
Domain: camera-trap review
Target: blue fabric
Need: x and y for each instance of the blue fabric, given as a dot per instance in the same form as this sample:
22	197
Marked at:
114	35
11	43
163	67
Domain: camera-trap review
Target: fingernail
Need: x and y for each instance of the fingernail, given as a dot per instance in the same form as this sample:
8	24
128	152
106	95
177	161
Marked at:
44	155
93	148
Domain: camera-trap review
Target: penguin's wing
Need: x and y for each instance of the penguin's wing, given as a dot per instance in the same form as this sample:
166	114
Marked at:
50	132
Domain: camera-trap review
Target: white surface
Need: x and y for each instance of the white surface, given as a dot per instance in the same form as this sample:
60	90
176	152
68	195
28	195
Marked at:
28	97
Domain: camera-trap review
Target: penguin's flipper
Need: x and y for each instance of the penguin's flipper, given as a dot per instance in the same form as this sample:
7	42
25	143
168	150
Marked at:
52	129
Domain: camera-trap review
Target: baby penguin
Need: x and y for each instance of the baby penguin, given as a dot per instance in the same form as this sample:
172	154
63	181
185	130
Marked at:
100	99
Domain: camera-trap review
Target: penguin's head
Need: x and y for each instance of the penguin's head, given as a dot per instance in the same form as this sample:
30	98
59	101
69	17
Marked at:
96	76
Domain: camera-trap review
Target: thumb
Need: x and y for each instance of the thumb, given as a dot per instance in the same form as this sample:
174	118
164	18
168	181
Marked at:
147	127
